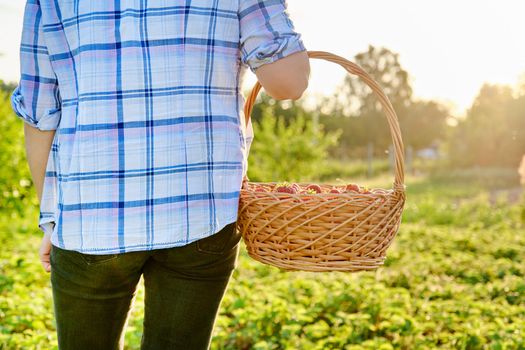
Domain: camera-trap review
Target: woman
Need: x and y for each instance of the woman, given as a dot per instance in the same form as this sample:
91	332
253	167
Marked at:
137	146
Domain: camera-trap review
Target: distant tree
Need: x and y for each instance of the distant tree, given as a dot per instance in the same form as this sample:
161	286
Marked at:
493	133
384	67
422	122
353	139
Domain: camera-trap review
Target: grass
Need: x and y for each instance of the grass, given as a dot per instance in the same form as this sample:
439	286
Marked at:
453	279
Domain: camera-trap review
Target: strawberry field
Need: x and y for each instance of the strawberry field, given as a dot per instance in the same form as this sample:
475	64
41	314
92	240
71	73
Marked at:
454	279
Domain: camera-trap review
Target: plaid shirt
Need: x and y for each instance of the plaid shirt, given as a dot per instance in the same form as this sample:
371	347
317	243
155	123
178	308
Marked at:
151	145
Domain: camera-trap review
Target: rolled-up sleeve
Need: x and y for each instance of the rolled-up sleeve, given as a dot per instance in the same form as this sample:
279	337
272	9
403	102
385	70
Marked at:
266	32
36	99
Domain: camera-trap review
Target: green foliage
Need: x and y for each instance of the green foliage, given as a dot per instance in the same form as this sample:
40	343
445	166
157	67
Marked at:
16	186
292	152
7	87
287	109
26	318
453	279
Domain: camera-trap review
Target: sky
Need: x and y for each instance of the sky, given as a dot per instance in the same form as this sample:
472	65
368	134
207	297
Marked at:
449	47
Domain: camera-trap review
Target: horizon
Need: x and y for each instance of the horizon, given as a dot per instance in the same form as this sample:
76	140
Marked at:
446	63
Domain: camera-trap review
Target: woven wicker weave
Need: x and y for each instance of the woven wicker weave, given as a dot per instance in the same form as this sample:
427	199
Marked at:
326	231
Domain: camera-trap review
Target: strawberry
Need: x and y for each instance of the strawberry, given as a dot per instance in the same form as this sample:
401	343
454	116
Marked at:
285	187
314	187
352	187
335	190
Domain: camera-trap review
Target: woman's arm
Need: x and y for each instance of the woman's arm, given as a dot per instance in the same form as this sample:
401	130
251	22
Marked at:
272	48
38	145
36	99
286	78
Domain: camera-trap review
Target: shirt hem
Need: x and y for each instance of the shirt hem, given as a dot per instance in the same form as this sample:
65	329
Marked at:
140	247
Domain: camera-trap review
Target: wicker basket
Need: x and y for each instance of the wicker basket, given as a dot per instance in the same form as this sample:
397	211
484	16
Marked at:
324	231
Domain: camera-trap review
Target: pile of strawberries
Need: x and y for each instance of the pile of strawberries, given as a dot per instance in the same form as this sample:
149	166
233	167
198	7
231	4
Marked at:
293	188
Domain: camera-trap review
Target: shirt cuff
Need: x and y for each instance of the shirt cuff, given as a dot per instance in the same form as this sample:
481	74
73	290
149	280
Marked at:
46	224
273	51
48	121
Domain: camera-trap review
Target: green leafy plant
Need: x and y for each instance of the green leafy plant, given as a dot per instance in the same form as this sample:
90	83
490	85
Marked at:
291	152
453	279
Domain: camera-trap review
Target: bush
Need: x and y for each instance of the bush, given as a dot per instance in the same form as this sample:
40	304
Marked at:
16	191
290	152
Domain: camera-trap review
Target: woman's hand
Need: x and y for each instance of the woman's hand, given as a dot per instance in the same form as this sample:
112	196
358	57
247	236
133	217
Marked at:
45	251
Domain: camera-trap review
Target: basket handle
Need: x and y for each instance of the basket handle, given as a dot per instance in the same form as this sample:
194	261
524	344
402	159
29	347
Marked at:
399	172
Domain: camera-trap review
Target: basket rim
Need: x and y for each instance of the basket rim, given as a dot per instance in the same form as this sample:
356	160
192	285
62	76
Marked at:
246	179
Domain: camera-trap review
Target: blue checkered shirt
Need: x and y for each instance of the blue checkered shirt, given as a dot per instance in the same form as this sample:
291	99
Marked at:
151	144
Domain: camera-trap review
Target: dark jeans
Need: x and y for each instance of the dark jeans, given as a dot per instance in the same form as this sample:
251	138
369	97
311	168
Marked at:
184	287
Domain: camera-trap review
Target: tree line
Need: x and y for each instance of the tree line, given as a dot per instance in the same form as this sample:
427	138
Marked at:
492	134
